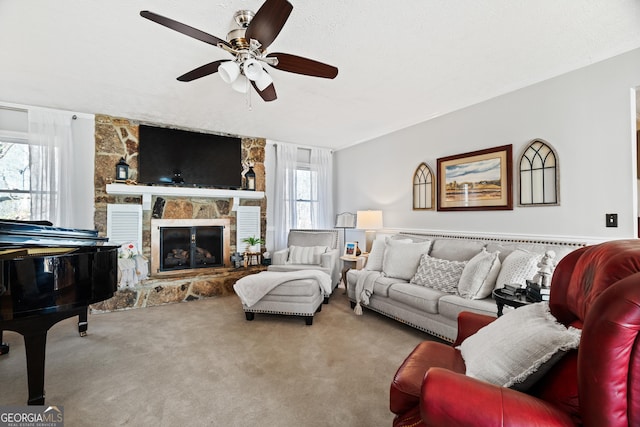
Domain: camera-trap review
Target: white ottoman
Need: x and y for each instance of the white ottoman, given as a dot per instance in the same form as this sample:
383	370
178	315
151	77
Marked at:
300	297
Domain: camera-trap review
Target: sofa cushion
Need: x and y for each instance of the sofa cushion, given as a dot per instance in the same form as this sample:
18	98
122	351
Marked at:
450	306
519	266
401	259
516	345
439	274
479	276
456	249
305	254
418	297
382	285
300	287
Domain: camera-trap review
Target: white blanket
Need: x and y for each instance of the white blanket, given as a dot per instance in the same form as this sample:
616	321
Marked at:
364	288
252	288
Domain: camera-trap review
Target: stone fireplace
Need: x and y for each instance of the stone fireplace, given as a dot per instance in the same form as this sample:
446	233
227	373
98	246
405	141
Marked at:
118	137
183	245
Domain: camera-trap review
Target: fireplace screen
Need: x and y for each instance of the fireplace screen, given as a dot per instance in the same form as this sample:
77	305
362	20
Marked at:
191	247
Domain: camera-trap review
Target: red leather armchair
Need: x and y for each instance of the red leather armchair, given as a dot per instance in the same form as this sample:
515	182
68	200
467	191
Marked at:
597	289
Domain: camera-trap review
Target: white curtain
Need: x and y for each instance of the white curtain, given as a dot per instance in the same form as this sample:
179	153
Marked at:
321	162
50	145
285	193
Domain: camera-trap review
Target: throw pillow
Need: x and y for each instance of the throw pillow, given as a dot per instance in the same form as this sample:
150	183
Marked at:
306	254
519	266
516	345
376	256
440	274
401	259
479	276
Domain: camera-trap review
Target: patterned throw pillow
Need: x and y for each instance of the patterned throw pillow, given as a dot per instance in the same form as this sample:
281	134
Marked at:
440	274
519	266
306	254
479	275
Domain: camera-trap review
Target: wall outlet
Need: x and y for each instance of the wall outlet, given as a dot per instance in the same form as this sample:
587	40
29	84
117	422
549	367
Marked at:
612	220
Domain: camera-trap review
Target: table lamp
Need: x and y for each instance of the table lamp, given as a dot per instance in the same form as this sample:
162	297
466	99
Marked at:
370	221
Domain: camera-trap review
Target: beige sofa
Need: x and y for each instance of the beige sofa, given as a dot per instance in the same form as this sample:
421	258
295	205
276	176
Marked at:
426	280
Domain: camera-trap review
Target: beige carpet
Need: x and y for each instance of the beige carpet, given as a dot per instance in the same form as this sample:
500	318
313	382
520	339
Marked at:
202	364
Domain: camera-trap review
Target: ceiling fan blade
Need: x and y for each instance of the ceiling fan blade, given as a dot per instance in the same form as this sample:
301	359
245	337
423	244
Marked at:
268	94
183	28
268	21
306	66
202	71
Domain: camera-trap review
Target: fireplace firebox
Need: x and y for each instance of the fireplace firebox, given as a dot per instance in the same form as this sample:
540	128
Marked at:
179	245
190	247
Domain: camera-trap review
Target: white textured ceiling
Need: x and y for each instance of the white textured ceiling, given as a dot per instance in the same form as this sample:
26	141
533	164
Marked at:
400	62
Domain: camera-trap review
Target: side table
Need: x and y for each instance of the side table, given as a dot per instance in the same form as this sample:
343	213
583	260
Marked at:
349	262
503	299
252	258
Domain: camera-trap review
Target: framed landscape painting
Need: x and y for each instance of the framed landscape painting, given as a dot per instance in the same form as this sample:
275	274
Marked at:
480	180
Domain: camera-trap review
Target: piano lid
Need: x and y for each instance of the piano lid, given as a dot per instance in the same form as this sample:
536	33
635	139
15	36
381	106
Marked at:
17	233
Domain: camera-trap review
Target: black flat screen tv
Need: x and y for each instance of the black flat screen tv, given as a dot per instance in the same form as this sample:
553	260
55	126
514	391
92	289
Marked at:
178	157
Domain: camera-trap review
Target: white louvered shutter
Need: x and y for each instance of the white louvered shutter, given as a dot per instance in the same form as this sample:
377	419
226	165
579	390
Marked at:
124	224
247	225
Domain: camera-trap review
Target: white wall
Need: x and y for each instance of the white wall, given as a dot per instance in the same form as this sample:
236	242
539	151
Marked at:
588	116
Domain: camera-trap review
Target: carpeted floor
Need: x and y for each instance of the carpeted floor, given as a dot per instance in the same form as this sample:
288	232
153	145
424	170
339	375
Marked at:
202	364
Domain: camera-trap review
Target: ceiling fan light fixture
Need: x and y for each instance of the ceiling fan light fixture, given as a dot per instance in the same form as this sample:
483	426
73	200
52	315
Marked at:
252	69
229	71
263	81
241	84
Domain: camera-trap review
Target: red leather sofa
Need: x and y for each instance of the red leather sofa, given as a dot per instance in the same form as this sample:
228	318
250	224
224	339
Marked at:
596	289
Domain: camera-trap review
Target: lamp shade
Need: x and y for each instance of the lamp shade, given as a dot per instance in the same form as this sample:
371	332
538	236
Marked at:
228	71
241	84
263	81
369	220
253	70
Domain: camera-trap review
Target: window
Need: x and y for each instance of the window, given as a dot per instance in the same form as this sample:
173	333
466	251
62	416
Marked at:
306	197
539	184
15	179
423	188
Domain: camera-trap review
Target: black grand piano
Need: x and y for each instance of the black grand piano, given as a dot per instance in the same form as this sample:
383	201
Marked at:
49	274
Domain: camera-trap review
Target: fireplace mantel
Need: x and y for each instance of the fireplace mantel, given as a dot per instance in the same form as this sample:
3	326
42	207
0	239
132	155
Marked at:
146	191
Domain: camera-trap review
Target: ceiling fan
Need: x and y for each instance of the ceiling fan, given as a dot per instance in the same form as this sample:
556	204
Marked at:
248	42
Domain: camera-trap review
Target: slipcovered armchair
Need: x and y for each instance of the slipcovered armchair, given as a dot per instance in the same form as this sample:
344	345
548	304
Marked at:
309	250
595	289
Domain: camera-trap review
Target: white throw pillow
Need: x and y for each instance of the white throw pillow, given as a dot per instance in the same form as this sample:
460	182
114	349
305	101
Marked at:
376	256
401	259
440	274
519	266
306	254
516	345
479	276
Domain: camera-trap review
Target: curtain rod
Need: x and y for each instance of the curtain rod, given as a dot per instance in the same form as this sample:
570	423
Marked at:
304	147
25	108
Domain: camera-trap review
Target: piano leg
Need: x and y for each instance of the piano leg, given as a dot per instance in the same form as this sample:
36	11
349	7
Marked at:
34	331
83	322
4	347
35	347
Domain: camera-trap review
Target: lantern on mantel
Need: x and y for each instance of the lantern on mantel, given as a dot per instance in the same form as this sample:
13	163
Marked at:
250	179
122	170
